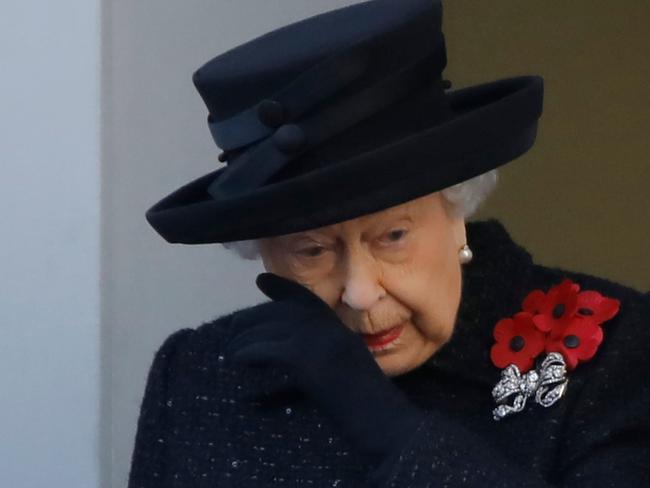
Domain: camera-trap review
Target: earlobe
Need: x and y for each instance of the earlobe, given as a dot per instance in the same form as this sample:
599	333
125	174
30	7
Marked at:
456	221
459	230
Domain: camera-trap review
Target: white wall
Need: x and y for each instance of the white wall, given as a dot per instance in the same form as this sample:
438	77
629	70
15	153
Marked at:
156	139
49	245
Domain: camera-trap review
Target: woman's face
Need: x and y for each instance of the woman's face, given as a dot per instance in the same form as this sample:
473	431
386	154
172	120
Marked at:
396	266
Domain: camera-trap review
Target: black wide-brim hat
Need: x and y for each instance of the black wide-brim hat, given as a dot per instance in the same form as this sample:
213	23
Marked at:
341	115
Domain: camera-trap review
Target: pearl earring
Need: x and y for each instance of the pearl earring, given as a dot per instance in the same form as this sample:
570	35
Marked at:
465	254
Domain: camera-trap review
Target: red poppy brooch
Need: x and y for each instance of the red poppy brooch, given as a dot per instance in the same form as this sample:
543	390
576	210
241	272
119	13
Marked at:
565	324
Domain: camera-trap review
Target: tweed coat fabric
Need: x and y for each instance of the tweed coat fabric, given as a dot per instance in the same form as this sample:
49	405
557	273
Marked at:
198	428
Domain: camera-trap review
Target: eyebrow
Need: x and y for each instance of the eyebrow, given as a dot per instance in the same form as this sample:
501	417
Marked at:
314	234
398	216
305	235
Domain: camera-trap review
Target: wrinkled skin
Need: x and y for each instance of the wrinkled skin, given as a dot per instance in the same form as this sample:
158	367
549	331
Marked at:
398	265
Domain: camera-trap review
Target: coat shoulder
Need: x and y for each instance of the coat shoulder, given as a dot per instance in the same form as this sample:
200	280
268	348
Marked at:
210	335
191	357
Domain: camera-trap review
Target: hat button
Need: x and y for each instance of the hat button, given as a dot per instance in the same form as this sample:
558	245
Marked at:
271	113
289	138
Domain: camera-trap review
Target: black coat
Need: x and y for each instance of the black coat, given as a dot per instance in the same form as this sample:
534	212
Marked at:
197	430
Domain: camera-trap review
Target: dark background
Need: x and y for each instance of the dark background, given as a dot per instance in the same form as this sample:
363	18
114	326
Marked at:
580	198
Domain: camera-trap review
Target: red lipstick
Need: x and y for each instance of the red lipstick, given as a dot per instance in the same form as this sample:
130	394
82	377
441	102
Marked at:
383	338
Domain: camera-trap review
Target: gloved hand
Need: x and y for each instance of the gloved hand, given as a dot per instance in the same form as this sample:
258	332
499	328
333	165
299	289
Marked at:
329	362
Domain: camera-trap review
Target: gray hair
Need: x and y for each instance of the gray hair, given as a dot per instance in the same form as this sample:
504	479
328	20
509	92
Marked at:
464	199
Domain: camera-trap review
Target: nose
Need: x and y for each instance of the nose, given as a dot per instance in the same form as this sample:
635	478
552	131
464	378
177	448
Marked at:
362	287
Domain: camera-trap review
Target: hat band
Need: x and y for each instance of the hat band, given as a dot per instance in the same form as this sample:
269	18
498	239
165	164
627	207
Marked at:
253	168
308	90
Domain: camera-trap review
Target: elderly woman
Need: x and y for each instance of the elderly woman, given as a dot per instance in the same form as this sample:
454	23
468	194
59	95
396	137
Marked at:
402	346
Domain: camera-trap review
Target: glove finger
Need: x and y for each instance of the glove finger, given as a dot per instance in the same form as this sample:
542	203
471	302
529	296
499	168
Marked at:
279	288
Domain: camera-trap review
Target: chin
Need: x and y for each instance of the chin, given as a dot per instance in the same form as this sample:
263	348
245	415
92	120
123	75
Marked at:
397	363
392	370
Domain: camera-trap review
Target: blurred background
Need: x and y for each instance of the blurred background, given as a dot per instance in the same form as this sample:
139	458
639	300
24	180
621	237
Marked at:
99	120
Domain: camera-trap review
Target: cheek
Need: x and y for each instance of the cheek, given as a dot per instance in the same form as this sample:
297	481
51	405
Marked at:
281	261
428	283
325	287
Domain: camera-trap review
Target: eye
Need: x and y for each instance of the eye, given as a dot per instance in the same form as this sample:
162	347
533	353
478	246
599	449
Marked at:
396	235
312	252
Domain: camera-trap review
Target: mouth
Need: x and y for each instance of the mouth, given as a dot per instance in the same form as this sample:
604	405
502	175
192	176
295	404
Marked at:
384	338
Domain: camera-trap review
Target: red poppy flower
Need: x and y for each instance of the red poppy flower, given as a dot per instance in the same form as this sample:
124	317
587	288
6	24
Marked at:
519	342
556	309
564	319
599	308
534	301
578	341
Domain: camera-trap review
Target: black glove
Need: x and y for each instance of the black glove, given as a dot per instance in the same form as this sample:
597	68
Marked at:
329	362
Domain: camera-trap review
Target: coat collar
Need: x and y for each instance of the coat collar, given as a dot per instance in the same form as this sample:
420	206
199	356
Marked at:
493	286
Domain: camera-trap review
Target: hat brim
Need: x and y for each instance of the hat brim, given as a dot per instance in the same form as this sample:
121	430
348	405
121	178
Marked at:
491	124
